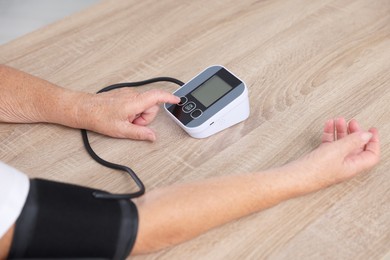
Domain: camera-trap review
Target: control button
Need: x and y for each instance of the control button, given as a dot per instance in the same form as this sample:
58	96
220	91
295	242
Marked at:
196	113
189	107
183	100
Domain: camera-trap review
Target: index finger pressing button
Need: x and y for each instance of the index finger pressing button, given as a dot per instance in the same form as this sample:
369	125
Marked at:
183	100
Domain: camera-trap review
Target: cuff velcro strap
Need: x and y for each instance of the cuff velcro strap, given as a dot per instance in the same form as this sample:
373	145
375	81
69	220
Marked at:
66	221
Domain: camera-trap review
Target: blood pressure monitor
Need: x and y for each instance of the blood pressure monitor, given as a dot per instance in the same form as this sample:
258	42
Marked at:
212	101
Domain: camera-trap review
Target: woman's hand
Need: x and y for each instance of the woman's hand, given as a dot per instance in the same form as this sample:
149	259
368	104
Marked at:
123	113
345	151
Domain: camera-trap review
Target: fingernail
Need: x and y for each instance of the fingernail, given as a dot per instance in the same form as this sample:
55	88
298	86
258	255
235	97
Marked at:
152	137
366	136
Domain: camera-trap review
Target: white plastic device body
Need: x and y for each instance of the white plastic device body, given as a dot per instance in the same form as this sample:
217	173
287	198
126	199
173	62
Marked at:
212	101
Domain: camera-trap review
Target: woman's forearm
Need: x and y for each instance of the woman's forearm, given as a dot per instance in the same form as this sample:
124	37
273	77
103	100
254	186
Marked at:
171	215
123	113
178	213
27	99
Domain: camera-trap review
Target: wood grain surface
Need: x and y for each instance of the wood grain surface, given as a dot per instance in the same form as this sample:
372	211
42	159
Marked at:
303	61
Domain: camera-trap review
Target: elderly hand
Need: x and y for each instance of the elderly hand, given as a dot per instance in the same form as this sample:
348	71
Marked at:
345	151
123	113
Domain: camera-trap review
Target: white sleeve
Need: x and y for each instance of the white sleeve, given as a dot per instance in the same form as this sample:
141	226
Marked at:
14	187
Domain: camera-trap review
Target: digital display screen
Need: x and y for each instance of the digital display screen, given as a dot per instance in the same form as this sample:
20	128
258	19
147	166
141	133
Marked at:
211	90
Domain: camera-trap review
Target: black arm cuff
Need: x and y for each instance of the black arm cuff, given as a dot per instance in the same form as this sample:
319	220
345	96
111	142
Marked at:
65	221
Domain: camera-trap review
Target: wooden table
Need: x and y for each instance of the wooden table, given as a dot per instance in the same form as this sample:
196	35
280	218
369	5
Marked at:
303	61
